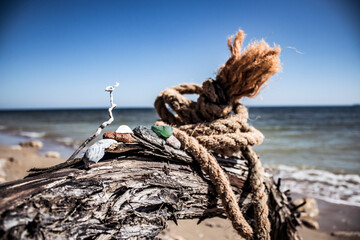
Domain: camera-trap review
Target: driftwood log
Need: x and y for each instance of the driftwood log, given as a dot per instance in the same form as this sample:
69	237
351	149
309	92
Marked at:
130	194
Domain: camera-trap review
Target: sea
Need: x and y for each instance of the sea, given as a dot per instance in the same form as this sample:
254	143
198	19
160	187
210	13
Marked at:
314	150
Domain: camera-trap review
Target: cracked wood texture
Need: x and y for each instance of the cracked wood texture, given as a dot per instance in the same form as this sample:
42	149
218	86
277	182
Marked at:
128	195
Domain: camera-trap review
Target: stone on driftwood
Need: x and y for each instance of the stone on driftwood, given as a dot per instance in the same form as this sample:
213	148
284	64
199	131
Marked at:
173	141
96	151
120	137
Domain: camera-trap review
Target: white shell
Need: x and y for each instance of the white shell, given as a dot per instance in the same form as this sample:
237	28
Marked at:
96	151
124	129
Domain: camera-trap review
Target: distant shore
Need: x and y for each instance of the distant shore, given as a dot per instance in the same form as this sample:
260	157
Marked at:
15	162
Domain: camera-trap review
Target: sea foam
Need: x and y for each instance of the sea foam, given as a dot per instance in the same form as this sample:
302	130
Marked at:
33	134
325	185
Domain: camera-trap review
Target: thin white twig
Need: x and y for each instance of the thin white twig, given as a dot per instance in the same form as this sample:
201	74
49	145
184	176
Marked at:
109	89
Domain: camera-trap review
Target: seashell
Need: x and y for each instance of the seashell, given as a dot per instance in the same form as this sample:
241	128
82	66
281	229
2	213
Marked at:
96	151
163	131
120	137
124	129
148	135
173	141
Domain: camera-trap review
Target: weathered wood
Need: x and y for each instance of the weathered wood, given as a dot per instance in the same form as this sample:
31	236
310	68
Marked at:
128	195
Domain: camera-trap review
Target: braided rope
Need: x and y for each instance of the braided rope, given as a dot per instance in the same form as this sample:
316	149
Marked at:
217	123
226	137
211	167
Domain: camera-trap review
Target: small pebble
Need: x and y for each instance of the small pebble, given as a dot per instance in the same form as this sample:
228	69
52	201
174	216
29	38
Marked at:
32	144
148	135
120	137
308	212
209	224
52	154
309	209
173	141
125	138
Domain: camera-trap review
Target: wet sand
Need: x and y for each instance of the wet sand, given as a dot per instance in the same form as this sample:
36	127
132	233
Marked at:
15	162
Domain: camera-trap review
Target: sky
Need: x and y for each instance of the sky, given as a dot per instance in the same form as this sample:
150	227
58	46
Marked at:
62	54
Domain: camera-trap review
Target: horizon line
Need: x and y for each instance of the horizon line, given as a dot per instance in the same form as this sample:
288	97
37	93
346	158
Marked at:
151	107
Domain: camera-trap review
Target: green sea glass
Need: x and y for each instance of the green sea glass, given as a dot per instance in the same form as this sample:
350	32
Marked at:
163	131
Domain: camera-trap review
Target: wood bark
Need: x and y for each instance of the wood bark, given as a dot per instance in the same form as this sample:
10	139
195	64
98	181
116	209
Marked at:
130	194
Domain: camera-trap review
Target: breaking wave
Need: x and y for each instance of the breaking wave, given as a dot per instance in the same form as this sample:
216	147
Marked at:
321	184
33	134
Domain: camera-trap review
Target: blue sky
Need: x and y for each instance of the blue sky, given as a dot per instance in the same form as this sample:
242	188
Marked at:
58	54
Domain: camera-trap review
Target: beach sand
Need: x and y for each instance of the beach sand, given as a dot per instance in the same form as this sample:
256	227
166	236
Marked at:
218	228
15	162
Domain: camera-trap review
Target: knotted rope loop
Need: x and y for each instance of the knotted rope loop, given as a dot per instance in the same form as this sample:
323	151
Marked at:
210	105
177	102
217	123
226	136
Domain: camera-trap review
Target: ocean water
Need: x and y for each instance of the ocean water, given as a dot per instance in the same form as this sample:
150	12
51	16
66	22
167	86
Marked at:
315	150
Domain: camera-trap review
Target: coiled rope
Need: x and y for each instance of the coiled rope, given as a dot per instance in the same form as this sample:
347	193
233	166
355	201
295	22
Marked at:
217	124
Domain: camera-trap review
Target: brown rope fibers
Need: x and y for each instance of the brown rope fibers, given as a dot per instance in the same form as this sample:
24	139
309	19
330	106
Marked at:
217	124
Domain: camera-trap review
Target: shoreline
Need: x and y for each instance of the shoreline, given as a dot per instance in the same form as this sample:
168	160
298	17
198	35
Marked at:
9	139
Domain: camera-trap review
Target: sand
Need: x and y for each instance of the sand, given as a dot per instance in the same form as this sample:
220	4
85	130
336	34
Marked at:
217	228
16	161
343	220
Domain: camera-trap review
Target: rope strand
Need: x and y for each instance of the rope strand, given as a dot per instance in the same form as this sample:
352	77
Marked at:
217	123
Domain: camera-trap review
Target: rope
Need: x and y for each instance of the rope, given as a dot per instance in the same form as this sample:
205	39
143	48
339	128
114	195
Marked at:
217	124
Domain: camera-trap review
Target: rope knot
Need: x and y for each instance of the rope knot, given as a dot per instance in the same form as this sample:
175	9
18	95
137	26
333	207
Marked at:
212	103
208	126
